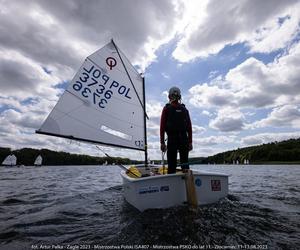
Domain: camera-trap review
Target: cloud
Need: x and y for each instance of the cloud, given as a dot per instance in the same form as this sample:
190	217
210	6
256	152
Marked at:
228	120
22	77
198	130
256	84
63	33
253	84
165	75
214	140
154	108
206	112
23	120
254	22
268	137
210	96
285	116
277	33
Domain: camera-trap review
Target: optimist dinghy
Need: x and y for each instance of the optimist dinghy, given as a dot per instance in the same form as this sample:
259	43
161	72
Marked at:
38	161
105	104
10	161
167	190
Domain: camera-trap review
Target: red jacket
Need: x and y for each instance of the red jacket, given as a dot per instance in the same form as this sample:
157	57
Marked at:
163	122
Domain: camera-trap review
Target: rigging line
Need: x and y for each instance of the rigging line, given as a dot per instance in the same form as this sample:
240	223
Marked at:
119	164
140	154
143	106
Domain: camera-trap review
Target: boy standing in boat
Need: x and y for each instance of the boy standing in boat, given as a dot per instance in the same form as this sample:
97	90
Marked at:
175	121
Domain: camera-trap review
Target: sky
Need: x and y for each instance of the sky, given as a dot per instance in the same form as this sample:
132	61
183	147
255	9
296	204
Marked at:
237	63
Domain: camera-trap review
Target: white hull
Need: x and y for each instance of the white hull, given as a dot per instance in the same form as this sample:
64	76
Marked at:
163	191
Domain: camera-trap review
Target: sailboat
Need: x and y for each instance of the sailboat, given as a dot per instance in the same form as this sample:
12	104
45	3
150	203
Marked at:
38	161
105	104
10	161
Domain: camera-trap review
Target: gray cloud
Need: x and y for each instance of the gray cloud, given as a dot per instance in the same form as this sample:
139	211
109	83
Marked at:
268	137
54	32
285	116
228	124
228	120
15	76
230	22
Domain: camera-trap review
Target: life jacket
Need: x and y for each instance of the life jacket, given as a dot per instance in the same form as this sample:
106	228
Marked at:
177	119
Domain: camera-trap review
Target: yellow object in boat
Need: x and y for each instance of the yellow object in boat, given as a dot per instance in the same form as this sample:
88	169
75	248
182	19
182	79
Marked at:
163	170
133	172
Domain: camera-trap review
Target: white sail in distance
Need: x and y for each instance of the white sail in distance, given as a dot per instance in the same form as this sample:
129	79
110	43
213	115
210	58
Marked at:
10	160
38	161
103	104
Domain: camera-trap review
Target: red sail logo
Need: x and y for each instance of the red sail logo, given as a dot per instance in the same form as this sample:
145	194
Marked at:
111	62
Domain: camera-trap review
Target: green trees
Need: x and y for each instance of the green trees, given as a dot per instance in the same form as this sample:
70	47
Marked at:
27	156
285	151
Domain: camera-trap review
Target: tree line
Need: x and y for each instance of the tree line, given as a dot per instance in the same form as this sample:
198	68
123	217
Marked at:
26	156
287	151
275	152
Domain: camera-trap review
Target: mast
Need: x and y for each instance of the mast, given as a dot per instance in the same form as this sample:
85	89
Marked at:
145	124
143	104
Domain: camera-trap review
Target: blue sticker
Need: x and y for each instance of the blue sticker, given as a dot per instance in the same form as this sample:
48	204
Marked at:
198	182
164	188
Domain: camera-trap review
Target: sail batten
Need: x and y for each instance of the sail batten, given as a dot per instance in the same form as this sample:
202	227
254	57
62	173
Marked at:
102	94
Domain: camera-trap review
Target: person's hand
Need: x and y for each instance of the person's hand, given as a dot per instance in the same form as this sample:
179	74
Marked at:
163	147
190	146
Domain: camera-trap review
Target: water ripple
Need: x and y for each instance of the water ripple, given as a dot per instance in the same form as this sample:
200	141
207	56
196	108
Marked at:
75	204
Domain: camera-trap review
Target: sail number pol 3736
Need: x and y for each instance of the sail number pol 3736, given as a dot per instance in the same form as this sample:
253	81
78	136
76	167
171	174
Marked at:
92	84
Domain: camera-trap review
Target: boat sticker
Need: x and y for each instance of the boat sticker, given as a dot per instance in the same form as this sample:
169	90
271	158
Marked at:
215	185
148	190
198	182
164	188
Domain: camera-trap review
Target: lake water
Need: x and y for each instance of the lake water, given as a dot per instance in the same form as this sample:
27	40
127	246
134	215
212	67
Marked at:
82	207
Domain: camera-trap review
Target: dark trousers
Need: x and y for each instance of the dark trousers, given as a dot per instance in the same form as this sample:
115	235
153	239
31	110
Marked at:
177	144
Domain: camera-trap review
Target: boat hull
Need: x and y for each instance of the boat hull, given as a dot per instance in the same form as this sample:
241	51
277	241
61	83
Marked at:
163	191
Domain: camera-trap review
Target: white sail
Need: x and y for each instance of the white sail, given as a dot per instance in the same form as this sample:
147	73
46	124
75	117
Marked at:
10	160
104	103
38	161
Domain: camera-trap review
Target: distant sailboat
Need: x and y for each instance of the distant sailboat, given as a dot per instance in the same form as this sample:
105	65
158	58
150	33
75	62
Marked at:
246	161
38	161
105	104
10	161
